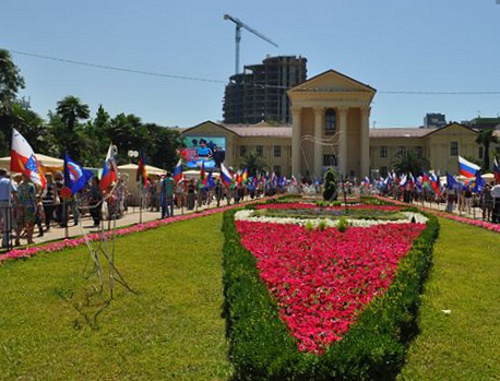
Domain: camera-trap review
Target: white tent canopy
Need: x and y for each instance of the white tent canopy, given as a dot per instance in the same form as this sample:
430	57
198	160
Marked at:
44	160
149	169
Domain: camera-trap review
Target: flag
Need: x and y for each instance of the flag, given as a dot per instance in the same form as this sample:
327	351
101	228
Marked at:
226	175
496	170
244	175
142	175
178	171
451	182
109	171
403	180
75	176
23	159
467	168
202	173
480	183
209	181
435	183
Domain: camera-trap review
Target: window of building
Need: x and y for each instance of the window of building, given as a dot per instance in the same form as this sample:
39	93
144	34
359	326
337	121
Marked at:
329	161
419	151
277	151
481	152
383	172
277	170
243	150
454	148
330	121
402	150
259	150
383	151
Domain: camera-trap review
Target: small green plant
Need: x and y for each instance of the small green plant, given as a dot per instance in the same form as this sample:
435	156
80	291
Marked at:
342	224
310	226
330	191
322	225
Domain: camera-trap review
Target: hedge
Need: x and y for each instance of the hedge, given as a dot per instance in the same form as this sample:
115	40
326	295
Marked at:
261	347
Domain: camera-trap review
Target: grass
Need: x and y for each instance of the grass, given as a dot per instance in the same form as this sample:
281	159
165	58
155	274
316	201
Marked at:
332	215
465	279
171	330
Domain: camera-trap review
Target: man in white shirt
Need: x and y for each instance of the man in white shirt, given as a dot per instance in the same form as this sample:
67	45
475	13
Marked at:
7	187
495	193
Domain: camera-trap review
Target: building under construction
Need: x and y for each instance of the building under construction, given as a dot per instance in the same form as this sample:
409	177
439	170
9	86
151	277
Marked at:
259	93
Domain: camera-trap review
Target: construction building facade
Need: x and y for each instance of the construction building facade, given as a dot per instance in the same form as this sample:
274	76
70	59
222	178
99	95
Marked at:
260	92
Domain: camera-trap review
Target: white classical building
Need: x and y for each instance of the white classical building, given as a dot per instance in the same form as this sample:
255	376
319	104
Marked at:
331	125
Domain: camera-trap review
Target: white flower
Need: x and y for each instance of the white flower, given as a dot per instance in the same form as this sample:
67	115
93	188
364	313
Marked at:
248	215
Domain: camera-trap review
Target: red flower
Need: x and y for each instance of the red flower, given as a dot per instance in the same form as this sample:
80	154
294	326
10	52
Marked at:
322	280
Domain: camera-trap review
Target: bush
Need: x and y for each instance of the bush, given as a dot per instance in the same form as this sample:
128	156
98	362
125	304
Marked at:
330	192
342	224
261	347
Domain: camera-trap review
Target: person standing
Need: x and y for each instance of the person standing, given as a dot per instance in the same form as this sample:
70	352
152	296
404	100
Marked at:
95	202
167	196
7	190
49	200
219	192
495	194
28	202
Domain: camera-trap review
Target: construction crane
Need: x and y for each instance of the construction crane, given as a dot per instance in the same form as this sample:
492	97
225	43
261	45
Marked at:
239	25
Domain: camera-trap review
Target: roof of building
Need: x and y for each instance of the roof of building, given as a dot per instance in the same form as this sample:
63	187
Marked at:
408	132
263	129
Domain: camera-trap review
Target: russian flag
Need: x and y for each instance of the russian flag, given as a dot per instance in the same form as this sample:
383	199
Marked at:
496	170
109	172
226	175
435	183
23	159
466	168
178	171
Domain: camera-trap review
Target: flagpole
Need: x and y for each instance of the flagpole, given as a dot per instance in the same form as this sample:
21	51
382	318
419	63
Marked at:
140	207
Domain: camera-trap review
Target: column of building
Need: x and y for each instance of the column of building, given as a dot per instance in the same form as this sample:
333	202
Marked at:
365	142
296	135
318	134
342	141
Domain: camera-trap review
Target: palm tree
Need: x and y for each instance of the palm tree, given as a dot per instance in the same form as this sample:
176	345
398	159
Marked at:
71	109
408	162
253	163
486	138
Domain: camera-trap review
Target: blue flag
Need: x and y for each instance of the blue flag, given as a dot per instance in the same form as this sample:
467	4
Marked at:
75	176
480	183
451	182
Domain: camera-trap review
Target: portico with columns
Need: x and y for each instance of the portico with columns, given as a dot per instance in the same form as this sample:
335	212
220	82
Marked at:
331	125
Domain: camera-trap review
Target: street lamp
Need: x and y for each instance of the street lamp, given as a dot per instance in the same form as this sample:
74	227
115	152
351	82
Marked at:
132	154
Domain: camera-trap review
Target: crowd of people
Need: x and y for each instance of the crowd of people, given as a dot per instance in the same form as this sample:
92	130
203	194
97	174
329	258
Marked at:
457	197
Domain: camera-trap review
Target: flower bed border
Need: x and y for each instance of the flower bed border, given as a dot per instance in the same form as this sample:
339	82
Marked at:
28	252
450	216
262	348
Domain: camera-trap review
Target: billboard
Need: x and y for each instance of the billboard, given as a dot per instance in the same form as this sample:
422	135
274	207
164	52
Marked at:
209	150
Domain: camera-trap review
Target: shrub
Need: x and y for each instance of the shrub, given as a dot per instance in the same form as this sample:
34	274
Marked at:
261	347
330	192
342	224
310	226
322	225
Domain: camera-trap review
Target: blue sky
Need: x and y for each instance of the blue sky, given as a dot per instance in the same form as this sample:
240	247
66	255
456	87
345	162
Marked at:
424	45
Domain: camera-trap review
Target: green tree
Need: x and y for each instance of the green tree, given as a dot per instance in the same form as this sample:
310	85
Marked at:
253	163
11	81
486	138
68	131
409	162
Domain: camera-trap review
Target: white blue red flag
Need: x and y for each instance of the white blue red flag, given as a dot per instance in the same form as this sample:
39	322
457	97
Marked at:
467	168
178	171
496	170
23	159
226	175
109	171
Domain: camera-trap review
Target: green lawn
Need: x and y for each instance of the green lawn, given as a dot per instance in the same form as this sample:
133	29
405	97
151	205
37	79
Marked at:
466	280
172	330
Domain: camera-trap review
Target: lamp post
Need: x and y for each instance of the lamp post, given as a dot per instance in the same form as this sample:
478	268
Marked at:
132	154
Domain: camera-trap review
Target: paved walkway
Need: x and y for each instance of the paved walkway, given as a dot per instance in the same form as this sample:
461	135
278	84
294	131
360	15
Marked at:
132	217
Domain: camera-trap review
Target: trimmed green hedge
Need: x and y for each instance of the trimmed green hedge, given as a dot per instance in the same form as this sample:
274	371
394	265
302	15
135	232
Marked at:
261	347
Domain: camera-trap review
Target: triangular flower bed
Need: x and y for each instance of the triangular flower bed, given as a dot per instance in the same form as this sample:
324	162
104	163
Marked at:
311	303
